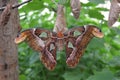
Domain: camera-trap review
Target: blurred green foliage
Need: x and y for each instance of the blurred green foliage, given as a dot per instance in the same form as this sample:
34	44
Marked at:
101	60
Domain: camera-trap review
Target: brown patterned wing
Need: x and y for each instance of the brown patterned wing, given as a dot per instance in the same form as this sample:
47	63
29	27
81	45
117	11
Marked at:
71	32
68	51
81	44
43	34
33	40
72	53
48	57
70	44
48	54
75	55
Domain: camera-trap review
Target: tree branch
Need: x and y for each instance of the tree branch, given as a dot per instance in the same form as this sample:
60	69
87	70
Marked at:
16	5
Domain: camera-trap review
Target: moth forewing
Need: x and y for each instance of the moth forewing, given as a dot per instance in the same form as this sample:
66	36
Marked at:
20	38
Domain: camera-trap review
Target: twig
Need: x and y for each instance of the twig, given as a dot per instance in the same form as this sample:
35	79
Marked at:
16	5
54	10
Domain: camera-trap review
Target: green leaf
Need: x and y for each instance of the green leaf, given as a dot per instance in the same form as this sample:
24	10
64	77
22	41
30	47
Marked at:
115	62
22	77
75	75
95	14
97	1
103	75
96	43
34	5
34	58
62	1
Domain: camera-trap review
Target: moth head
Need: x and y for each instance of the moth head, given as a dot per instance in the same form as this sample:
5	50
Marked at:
97	32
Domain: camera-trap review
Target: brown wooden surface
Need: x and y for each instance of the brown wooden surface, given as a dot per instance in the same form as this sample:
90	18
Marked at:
8	50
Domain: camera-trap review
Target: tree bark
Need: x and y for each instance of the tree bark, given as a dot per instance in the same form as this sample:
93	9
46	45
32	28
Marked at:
8	50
